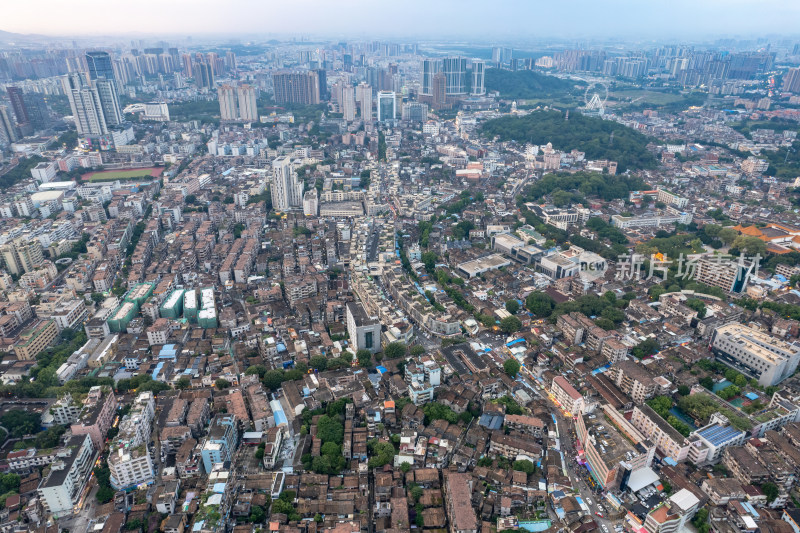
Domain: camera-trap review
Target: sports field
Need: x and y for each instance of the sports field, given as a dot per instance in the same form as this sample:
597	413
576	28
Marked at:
124	174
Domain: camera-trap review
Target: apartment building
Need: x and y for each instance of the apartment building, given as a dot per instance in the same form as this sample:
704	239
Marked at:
668	441
633	379
97	415
62	489
129	457
566	395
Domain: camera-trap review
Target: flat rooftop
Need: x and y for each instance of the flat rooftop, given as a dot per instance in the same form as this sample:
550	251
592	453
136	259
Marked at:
490	262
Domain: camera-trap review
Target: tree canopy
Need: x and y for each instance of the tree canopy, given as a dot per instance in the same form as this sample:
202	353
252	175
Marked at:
597	138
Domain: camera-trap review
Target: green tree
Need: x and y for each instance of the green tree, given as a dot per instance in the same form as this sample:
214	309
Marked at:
329	429
511	367
257	514
512	306
646	348
524	465
20	423
222	384
510	324
394	350
319	362
728	235
364	358
417	349
770	490
405	467
183	383
540	304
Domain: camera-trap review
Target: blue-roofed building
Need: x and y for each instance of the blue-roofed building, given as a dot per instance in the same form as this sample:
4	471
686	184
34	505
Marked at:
708	443
491	421
223	437
278	414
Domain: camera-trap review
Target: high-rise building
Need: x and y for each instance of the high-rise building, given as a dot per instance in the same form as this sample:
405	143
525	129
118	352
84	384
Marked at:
286	189
248	107
38	113
791	80
430	67
186	59
22	255
109	101
8	131
94	106
323	84
478	87
230	61
364	330
455	70
203	75
16	96
296	87
228	110
415	112
364	98
440	91
348	103
237	103
100	66
387	106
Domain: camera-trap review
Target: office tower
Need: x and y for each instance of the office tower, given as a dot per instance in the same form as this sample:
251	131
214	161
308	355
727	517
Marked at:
248	108
430	67
791	80
84	101
348	104
323	84
100	66
296	87
387	106
228	109
8	132
455	70
364	330
286	188
364	97
415	112
478	87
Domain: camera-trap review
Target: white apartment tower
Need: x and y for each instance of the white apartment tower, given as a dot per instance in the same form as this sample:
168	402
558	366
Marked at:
348	103
364	97
286	188
228	110
248	109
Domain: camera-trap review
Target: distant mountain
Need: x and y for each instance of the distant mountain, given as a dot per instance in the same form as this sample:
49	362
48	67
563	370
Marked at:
10	37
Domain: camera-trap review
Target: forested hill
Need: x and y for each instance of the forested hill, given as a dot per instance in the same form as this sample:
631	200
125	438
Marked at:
591	135
527	84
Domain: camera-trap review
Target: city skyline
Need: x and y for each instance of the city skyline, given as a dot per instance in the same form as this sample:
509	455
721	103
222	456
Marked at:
510	19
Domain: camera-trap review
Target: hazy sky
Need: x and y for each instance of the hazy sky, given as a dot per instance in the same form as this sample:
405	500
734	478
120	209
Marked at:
481	20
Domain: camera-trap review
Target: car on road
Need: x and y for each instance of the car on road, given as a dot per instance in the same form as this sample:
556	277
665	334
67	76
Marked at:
598	513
